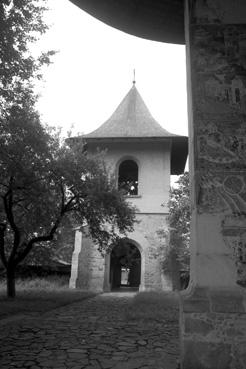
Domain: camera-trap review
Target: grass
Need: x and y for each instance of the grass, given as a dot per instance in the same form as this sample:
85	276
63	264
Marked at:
38	295
154	306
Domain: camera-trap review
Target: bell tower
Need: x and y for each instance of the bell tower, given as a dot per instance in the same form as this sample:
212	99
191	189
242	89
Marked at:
142	155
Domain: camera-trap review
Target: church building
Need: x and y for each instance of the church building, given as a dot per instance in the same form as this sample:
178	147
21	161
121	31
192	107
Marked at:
142	155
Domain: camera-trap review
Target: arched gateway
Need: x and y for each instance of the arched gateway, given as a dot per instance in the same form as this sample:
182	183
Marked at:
125	265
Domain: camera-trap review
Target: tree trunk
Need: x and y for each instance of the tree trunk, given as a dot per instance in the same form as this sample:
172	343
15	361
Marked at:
11	282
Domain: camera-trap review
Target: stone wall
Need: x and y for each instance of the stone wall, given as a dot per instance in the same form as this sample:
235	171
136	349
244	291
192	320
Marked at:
154	250
90	269
214	329
90	273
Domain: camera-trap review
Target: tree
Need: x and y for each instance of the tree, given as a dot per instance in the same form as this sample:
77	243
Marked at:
42	180
47	255
21	24
177	256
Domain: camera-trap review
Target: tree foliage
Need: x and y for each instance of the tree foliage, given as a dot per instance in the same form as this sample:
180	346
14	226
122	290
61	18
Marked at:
42	180
21	24
178	251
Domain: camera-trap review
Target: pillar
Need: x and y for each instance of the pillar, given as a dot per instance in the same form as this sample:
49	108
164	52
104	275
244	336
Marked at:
75	259
213	309
107	283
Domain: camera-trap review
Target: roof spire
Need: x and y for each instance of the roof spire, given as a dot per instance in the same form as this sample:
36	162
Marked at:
134	80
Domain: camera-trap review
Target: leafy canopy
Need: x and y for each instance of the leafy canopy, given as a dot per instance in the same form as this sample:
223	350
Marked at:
41	180
179	223
21	24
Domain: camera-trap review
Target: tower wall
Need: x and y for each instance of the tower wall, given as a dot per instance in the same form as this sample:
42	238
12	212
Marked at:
153	159
93	270
88	264
146	234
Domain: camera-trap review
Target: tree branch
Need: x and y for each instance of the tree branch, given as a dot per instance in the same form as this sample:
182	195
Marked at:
62	198
38	239
66	206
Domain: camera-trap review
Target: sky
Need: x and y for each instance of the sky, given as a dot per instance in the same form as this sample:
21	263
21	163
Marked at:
93	71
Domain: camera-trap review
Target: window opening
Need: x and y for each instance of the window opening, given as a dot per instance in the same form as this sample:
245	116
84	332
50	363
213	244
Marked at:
128	177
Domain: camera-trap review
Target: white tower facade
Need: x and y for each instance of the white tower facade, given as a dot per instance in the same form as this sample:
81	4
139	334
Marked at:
142	155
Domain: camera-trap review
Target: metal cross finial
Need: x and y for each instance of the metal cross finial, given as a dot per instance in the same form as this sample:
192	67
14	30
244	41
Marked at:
134	81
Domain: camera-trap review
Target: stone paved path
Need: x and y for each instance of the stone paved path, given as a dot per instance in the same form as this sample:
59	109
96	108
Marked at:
92	334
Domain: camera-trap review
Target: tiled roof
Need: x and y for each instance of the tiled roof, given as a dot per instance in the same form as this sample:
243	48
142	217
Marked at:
131	119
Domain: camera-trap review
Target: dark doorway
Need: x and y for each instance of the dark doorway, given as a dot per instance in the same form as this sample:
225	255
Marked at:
125	266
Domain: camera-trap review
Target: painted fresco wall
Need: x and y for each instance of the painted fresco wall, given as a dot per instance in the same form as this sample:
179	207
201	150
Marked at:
218	62
213	311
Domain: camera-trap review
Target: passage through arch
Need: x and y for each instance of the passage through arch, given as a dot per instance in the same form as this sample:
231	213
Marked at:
125	265
128	177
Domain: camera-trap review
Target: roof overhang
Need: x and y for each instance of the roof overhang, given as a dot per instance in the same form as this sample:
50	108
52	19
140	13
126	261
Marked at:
179	147
156	20
179	154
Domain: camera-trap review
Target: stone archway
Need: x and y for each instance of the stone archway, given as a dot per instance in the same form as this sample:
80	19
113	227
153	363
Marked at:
125	265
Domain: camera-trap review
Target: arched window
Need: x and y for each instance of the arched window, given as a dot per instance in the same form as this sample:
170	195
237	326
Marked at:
128	177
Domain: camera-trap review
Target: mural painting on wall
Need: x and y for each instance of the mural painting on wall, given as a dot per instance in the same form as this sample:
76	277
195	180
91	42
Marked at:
220	192
217	11
206	11
219	62
234	234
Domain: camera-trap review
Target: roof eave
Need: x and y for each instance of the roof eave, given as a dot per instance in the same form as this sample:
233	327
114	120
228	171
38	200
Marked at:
161	20
179	154
123	139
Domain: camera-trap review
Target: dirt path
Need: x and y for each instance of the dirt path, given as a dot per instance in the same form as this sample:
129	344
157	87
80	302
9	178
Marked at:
93	334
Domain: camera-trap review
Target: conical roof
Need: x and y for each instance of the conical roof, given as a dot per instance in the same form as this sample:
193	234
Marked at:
131	119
